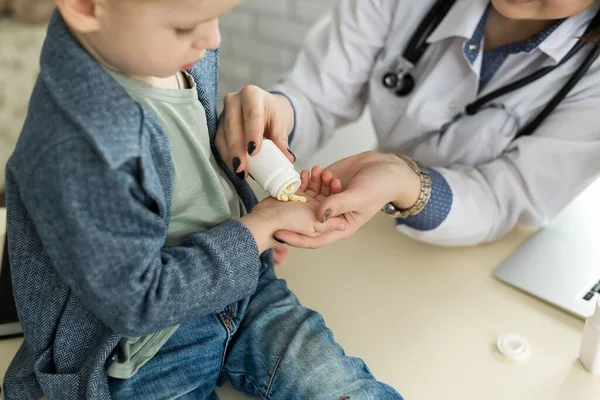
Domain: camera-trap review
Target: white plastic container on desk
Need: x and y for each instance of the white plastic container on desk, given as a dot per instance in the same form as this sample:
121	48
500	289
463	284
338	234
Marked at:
589	353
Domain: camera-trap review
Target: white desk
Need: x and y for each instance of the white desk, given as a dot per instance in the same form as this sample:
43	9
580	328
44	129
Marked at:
425	319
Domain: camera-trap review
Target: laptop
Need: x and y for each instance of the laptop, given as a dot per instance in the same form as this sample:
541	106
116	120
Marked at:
560	264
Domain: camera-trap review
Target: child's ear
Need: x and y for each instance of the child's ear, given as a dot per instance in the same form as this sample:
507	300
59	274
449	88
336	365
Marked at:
80	15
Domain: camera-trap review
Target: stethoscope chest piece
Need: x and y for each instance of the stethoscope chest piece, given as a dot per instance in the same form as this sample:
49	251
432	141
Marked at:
400	81
402	86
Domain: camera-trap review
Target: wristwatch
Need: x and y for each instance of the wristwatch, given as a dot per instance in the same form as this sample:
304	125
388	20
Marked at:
424	196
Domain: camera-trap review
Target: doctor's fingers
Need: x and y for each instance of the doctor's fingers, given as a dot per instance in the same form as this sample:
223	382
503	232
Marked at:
348	201
245	122
232	121
221	142
297	240
263	118
252	102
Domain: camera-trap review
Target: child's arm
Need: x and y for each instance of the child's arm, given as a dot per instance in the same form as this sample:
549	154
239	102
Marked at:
104	233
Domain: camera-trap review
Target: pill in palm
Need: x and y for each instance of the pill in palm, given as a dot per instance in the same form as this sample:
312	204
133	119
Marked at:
296	198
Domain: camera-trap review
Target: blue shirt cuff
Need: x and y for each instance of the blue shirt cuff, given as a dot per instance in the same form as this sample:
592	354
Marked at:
291	135
436	210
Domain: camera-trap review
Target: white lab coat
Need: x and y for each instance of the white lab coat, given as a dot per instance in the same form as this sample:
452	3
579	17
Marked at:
497	182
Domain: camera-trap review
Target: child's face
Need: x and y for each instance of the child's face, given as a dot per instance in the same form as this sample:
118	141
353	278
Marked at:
155	38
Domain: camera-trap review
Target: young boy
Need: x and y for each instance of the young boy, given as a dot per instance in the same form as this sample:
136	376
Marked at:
139	261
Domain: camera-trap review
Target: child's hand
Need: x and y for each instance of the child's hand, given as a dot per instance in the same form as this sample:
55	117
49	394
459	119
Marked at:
319	185
271	215
294	216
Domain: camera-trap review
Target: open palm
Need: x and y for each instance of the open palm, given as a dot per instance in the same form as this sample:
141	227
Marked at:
361	187
316	186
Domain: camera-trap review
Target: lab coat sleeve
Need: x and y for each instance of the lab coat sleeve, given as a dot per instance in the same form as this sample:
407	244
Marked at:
531	182
438	207
328	83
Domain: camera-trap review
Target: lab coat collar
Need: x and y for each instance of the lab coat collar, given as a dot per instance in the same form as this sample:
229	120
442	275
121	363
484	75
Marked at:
464	16
562	40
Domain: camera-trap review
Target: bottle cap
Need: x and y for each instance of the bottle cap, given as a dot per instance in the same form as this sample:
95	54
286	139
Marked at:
514	347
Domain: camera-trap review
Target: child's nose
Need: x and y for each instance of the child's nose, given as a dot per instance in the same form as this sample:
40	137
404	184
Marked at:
211	39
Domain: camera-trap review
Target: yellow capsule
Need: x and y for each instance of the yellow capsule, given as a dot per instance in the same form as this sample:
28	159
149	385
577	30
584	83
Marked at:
284	198
296	198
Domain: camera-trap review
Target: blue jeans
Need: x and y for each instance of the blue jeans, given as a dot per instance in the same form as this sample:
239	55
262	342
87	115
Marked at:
268	346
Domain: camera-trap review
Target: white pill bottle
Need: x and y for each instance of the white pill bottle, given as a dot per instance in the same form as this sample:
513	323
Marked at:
589	353
272	170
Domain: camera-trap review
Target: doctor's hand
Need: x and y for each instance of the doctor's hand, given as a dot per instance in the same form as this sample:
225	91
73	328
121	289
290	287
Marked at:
249	116
369	181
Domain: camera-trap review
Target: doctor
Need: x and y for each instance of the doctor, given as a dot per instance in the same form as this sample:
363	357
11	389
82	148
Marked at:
487	113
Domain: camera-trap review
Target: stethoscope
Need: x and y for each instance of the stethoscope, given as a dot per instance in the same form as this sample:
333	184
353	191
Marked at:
400	80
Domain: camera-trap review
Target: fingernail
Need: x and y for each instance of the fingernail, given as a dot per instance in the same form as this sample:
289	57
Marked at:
327	215
241	175
236	164
292	155
279	240
251	147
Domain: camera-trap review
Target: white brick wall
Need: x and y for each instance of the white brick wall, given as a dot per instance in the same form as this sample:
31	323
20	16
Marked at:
261	39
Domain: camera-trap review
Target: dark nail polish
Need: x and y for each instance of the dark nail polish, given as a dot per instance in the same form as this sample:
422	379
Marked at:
241	175
236	163
327	215
251	147
292	155
279	240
